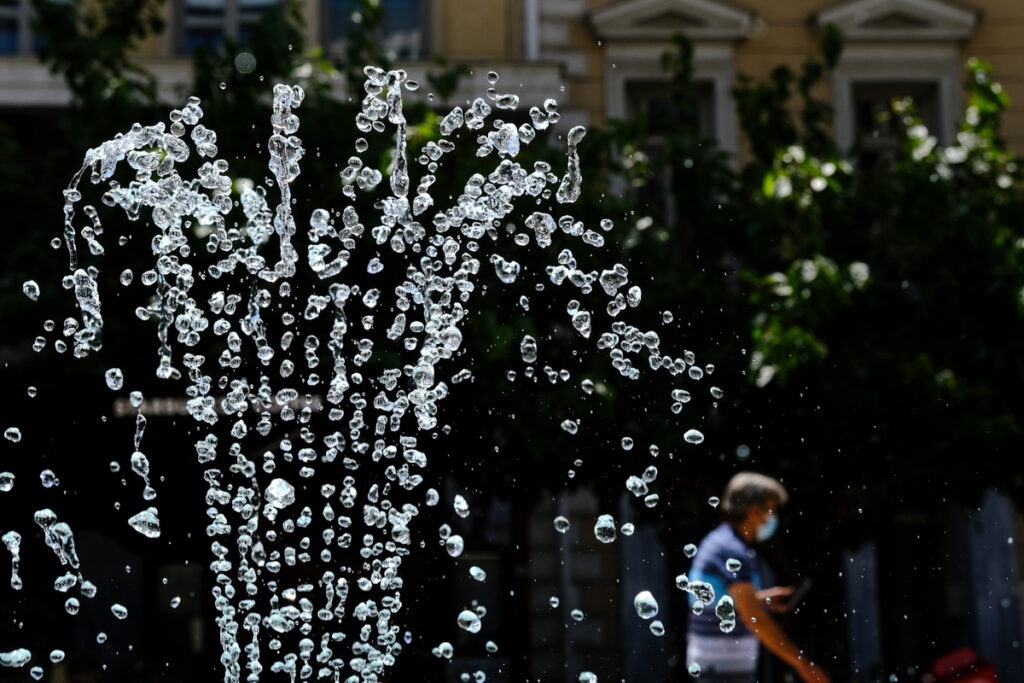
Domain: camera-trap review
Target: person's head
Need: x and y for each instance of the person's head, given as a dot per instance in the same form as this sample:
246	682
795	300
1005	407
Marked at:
754	499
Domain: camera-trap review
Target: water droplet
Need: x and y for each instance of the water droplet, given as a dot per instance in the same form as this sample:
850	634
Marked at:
175	601
454	545
491	646
569	188
115	378
31	289
48	479
725	610
528	349
119	611
627	529
6	481
469	621
657	628
694	669
690	550
627	443
12	434
553	601
146	523
717	393
604	529
477	573
245	62
461	506
15	658
280	494
645	604
681	395
561	524
577	615
713	501
693	436
733	565
588	677
636	486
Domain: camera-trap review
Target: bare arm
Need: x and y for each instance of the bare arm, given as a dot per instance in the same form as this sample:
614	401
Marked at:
760	622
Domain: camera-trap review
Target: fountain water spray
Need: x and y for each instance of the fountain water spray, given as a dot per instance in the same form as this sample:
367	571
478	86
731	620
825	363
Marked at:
340	438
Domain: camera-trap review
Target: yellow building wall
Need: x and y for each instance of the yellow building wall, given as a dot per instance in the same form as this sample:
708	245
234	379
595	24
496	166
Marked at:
477	29
787	35
999	40
492	30
160	45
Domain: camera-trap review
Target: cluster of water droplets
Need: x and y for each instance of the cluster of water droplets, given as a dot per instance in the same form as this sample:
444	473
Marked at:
272	435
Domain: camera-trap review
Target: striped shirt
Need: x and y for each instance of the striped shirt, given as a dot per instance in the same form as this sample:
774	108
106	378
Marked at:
709	564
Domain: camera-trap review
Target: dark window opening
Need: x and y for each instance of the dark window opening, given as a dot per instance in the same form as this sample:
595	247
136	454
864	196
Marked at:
877	130
206	23
653	100
401	32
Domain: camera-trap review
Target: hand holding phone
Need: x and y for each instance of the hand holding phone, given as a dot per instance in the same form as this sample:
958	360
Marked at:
797	595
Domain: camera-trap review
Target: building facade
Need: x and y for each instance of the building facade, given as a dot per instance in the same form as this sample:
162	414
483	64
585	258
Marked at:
602	58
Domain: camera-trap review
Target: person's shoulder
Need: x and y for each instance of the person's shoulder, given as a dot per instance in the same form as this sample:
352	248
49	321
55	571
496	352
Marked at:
722	538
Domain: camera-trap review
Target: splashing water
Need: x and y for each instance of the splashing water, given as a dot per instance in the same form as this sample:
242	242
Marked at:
15	658
12	539
267	606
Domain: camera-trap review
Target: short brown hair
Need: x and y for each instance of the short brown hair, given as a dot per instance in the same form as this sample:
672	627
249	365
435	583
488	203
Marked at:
747	489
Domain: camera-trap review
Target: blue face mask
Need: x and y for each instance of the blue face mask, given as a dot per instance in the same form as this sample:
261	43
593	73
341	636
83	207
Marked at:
766	530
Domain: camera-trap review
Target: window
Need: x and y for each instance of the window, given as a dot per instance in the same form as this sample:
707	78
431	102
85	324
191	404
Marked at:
402	32
206	23
629	88
898	48
876	132
15	22
636	33
653	100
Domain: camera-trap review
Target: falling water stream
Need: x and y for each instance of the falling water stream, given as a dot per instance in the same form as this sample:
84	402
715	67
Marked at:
285	515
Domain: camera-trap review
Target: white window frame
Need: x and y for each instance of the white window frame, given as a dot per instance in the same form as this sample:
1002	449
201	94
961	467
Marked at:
714	63
230	23
895	63
928	53
429	19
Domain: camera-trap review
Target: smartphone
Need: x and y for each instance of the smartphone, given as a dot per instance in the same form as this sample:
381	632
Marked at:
798	594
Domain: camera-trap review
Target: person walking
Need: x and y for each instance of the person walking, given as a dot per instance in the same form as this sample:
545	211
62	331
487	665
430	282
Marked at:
727	560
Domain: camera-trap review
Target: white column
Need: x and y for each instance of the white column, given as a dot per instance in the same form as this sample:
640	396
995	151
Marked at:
531	29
